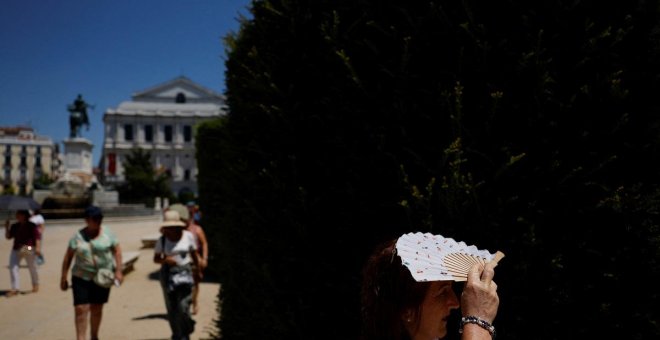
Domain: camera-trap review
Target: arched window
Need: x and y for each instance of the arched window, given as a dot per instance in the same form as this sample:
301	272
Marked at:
180	98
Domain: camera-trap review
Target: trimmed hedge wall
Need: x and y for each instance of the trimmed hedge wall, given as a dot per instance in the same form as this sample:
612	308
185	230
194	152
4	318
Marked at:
525	126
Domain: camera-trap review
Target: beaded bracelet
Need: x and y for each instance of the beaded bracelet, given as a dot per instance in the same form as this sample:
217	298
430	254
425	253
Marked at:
479	322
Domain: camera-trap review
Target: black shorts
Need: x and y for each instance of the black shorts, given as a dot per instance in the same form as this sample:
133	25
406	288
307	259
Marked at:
88	292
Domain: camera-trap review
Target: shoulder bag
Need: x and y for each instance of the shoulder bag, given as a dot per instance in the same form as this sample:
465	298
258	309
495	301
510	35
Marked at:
104	277
177	276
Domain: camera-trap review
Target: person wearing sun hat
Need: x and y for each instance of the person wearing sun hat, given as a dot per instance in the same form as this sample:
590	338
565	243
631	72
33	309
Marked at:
176	252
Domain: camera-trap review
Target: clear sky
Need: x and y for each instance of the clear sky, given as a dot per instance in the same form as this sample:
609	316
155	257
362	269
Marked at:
106	50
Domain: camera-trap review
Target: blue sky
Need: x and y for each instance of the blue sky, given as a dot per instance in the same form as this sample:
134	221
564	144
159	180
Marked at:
106	50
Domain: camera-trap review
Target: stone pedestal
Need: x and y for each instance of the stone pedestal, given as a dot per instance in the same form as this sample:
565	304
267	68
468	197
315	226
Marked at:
105	199
78	155
79	180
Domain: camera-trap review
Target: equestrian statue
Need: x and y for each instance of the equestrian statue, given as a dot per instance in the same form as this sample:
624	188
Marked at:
78	116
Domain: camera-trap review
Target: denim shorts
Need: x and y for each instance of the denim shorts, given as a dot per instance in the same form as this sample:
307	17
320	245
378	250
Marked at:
88	292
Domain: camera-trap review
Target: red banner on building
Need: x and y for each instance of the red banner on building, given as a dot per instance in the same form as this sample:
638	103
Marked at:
112	163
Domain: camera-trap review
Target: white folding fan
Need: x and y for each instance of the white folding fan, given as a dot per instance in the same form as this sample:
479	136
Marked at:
436	258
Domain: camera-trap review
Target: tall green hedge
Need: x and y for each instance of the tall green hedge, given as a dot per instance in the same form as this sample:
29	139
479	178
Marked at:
525	126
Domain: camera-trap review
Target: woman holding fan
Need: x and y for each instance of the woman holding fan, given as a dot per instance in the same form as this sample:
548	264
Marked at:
402	301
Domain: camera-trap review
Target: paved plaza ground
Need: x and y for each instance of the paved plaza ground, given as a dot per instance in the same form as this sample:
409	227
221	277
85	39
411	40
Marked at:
136	310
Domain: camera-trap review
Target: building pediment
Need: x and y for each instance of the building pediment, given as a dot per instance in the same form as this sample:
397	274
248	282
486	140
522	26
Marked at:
181	90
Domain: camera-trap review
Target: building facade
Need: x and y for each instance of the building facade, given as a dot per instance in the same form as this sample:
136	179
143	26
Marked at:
26	158
160	120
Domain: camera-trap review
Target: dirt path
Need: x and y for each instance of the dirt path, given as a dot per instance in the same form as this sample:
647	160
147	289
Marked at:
136	310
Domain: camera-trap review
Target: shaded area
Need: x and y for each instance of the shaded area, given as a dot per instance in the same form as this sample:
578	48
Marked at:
525	126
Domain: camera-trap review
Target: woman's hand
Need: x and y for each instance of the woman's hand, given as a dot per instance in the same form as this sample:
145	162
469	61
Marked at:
170	260
64	284
479	296
198	275
119	275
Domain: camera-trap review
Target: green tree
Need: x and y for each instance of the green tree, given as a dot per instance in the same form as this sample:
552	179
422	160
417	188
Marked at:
9	190
143	182
43	182
531	127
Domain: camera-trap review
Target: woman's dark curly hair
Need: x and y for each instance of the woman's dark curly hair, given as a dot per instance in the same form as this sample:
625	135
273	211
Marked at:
389	291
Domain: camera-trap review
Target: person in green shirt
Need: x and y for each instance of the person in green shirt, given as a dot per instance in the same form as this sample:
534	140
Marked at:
93	247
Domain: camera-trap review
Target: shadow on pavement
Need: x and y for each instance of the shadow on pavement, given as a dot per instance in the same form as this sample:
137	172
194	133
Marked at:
150	316
207	277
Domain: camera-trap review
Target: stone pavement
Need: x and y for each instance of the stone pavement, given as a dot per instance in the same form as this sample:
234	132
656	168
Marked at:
136	310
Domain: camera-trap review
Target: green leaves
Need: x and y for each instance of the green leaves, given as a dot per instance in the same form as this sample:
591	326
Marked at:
143	182
523	126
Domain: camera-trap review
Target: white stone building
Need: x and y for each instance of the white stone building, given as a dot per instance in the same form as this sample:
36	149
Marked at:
160	120
25	158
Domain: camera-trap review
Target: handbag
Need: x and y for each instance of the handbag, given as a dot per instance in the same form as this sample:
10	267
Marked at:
181	277
104	277
26	250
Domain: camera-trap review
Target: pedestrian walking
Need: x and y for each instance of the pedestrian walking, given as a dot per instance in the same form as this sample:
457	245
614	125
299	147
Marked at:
202	248
39	220
176	252
96	251
27	245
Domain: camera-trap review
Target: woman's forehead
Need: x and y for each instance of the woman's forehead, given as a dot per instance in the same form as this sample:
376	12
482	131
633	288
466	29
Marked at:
441	284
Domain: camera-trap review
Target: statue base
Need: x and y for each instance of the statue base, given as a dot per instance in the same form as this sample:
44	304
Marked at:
78	155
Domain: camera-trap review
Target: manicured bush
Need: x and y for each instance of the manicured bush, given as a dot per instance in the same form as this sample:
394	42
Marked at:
525	126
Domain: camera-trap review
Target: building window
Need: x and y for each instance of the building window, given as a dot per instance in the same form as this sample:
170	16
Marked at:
180	98
23	161
168	133
186	174
148	133
7	160
37	161
128	132
38	150
7	174
187	133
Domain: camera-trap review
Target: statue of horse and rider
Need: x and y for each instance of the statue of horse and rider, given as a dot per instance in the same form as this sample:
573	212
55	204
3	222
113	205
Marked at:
78	116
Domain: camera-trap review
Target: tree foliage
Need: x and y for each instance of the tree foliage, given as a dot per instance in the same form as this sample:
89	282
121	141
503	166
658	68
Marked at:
142	182
528	127
43	182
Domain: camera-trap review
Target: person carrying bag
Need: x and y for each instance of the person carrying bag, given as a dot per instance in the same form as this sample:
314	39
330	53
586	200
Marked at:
97	266
104	277
176	252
